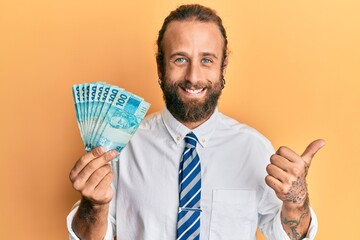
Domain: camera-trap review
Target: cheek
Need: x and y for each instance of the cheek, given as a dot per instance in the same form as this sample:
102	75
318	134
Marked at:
214	76
174	73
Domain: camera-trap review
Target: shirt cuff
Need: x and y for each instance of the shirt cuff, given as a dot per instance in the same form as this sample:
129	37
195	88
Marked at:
72	236
281	234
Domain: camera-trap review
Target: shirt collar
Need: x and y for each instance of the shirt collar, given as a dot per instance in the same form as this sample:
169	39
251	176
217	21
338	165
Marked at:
178	131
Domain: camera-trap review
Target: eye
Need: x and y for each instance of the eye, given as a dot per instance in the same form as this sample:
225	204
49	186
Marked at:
180	60
206	60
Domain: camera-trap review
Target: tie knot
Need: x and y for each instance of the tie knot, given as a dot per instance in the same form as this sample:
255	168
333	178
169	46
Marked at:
191	139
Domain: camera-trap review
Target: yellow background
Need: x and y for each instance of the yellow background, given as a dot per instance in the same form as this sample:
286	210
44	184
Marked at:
293	74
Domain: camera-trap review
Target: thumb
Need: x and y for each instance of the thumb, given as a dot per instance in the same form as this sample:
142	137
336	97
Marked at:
312	149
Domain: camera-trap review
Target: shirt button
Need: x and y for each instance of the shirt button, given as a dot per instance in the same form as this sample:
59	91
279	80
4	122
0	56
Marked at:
203	140
178	138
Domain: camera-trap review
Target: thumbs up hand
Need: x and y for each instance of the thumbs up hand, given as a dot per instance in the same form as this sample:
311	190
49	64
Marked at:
287	174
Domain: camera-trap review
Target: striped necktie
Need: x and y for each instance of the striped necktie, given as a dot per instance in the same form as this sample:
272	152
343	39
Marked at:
188	226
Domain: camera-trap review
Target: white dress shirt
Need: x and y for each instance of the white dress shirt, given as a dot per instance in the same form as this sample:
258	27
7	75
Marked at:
235	199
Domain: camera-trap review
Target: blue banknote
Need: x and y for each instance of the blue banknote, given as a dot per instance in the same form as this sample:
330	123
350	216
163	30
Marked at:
122	120
94	104
77	98
116	99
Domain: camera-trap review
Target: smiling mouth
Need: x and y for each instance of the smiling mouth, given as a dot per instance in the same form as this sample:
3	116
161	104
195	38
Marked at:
194	91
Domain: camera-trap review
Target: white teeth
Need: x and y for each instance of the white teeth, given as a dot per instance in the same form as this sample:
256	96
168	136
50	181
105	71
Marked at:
194	91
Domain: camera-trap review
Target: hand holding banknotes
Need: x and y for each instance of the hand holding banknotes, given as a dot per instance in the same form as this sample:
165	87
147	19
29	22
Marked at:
107	116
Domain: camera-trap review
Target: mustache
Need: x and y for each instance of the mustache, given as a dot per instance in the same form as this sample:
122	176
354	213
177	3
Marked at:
187	84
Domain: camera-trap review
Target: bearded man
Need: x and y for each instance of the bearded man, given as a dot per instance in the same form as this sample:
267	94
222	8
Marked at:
190	172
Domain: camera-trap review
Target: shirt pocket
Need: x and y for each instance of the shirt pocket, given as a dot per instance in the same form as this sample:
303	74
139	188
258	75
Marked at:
233	215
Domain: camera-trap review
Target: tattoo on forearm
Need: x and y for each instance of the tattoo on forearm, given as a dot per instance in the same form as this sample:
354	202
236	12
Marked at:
297	194
294	235
293	224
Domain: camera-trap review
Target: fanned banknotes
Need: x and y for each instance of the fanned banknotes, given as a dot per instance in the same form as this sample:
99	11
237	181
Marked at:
107	115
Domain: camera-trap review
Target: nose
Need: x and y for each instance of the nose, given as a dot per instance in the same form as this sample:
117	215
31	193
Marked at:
194	72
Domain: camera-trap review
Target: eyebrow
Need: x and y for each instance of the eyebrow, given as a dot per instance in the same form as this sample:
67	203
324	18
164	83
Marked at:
178	54
204	54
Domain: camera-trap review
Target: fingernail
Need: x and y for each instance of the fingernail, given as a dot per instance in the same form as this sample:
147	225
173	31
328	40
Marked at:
100	150
113	153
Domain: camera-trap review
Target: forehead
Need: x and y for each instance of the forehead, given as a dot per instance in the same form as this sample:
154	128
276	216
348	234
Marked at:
192	36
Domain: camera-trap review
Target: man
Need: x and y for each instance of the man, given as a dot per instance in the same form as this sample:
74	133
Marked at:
141	196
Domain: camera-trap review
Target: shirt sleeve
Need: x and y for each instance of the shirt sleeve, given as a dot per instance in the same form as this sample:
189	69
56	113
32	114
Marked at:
72	236
280	234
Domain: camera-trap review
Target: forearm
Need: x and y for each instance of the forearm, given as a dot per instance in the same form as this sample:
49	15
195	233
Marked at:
90	221
296	221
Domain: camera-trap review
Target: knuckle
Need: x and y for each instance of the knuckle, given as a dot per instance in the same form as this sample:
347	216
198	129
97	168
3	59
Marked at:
282	190
107	195
77	185
87	193
296	171
81	163
72	176
272	158
82	159
302	164
268	167
102	171
107	168
109	177
270	182
267	179
96	175
282	150
102	196
287	179
91	166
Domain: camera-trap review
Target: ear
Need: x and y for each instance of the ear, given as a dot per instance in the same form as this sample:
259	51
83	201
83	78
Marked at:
224	66
158	64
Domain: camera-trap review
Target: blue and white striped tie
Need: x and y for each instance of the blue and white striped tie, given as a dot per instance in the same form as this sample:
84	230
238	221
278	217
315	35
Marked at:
188	226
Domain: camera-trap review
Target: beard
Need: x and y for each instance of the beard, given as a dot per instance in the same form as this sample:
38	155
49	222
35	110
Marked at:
191	110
